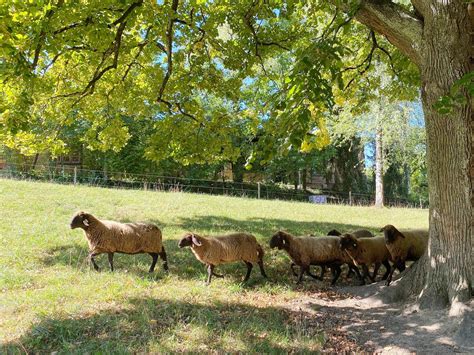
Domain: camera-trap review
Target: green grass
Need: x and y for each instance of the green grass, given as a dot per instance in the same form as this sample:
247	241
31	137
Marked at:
51	300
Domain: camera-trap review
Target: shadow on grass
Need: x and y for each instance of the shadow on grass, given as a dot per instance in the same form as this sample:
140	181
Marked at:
260	226
151	325
390	327
77	256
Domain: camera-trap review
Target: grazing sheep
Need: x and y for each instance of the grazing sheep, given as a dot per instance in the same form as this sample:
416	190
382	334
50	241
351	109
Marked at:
114	237
306	251
365	252
404	245
225	249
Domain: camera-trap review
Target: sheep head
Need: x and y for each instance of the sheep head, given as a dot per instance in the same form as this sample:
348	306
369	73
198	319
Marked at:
334	232
189	240
348	242
391	233
279	240
81	220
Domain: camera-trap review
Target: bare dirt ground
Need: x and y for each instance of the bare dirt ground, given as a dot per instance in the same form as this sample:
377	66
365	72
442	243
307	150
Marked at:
356	322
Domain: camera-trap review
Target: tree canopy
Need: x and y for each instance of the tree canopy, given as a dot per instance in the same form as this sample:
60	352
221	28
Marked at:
200	72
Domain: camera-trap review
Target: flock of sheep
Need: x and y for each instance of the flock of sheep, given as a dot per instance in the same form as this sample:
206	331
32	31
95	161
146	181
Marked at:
358	248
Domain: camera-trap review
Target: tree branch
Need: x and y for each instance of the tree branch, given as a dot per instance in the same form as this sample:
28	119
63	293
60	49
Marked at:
169	51
42	35
114	49
402	28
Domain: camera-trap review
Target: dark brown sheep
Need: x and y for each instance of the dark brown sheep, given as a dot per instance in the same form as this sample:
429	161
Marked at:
307	251
405	245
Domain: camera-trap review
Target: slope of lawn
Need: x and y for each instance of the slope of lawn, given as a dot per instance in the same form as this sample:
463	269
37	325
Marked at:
51	300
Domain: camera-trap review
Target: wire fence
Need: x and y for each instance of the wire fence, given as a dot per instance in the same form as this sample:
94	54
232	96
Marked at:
122	180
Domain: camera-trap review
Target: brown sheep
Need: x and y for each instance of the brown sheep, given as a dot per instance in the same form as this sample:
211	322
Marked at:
406	245
360	233
225	249
307	251
114	237
365	252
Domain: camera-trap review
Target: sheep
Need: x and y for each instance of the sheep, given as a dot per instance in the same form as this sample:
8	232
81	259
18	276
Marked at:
225	249
306	251
367	251
403	246
361	233
114	237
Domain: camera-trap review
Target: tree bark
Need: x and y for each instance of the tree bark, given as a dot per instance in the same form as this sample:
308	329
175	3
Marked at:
444	276
378	169
445	58
437	39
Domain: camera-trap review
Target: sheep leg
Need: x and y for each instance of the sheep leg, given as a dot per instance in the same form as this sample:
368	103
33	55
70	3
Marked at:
210	272
249	270
387	268
336	271
153	263
91	258
396	265
303	269
163	257
111	261
292	266
357	272
262	270
376	270
365	272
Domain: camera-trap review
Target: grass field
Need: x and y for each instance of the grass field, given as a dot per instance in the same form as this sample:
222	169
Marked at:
51	300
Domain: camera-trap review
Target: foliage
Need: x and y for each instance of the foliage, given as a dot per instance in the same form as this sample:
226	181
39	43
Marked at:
188	68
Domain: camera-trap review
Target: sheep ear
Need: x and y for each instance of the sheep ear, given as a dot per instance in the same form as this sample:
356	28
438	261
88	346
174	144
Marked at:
195	240
85	221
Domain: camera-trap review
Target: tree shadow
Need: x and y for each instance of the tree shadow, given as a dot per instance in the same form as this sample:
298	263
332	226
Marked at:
164	326
77	256
261	226
393	328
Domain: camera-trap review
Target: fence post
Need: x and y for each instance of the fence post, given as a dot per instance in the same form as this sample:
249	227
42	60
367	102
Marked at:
258	190
75	175
350	198
421	203
145	186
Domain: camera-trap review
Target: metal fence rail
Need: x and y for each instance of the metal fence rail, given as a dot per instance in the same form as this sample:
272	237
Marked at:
150	182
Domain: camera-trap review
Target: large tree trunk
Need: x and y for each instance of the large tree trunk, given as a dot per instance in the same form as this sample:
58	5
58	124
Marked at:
378	169
437	38
445	274
450	255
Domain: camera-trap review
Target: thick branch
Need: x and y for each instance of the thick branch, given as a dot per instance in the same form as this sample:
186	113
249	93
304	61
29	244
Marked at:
114	49
400	27
42	36
169	51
